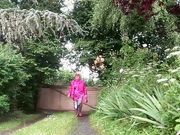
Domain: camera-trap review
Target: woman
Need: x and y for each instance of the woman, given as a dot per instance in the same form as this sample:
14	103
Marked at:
78	92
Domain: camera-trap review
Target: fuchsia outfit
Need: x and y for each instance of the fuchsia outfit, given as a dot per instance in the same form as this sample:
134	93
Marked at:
78	91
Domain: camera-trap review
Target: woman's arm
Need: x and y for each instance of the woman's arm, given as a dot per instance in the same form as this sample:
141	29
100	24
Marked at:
85	92
70	92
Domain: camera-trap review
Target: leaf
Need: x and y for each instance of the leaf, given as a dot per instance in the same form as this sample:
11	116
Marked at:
147	120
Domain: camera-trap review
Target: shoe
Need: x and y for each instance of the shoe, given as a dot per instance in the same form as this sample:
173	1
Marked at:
80	114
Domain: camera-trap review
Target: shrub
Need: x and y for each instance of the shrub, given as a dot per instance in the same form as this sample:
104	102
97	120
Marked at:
64	76
143	95
13	73
4	104
42	61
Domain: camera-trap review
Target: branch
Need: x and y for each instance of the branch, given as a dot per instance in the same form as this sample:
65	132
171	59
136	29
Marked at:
19	25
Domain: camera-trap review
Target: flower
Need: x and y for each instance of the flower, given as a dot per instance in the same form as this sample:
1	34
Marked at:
93	67
97	59
102	66
144	45
95	62
102	59
121	70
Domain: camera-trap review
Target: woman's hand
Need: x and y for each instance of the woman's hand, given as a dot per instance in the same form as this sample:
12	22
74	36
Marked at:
85	99
69	94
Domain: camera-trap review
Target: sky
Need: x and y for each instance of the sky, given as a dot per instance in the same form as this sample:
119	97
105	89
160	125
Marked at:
69	4
84	71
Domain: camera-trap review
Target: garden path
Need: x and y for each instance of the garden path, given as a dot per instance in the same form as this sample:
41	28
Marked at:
83	127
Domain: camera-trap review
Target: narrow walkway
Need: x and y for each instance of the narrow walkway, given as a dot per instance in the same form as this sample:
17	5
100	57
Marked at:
83	127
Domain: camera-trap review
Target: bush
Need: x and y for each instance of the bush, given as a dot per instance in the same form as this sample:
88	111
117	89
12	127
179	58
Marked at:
13	74
147	96
64	76
139	108
42	61
4	104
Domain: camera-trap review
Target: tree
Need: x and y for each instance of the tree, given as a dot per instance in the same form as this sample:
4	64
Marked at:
36	37
97	40
109	29
51	5
17	25
6	4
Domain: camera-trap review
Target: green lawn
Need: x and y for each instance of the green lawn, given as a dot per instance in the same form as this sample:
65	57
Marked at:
56	124
13	122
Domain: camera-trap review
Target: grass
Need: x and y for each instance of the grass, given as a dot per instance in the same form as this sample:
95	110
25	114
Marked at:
13	122
57	124
124	127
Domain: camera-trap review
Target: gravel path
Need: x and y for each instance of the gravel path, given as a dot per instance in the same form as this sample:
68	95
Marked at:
83	127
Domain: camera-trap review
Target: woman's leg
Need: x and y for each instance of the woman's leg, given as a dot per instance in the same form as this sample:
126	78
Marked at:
80	109
79	103
76	107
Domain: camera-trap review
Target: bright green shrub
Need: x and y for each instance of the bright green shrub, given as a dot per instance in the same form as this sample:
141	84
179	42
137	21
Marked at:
116	104
4	104
12	71
64	76
13	74
42	64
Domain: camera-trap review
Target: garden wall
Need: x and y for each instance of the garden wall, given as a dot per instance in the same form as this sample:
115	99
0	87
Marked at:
54	98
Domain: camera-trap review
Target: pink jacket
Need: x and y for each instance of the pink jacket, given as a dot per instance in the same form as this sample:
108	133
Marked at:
78	90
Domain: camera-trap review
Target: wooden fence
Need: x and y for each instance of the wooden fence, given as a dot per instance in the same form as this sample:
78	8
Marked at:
54	98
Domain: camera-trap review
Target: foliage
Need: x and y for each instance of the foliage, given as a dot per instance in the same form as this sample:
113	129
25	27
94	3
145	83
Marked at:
4	104
144	95
157	30
42	62
177	128
13	73
34	33
19	25
84	17
53	6
109	29
151	106
11	67
21	77
64	76
6	4
123	106
97	41
143	8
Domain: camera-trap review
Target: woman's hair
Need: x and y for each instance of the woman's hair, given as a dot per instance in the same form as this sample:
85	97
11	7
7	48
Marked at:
77	74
